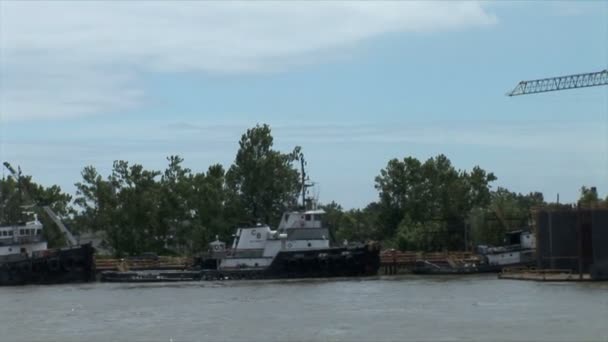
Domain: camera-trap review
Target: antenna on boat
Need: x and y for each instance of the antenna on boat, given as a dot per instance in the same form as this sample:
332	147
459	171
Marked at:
304	179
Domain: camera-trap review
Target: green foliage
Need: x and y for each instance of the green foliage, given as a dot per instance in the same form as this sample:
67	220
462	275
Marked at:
590	197
140	210
507	211
426	193
179	211
429	236
262	181
427	206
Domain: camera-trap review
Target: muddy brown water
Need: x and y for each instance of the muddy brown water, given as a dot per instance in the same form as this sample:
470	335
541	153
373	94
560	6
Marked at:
407	308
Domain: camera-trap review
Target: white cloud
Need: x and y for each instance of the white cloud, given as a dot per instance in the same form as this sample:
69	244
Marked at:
71	58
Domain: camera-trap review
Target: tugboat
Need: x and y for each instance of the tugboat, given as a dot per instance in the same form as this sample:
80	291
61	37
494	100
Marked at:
519	251
299	248
25	257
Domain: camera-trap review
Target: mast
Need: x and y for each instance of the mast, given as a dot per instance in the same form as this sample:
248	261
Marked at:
302	162
304	179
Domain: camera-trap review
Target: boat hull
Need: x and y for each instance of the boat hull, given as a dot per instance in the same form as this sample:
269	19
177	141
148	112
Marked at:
359	261
69	265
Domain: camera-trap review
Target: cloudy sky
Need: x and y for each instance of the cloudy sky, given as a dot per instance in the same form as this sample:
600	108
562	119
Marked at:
354	83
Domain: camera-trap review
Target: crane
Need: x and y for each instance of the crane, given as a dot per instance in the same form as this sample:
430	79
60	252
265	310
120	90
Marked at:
543	85
69	237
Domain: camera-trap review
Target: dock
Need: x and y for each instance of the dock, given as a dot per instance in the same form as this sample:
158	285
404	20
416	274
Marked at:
533	274
143	264
397	262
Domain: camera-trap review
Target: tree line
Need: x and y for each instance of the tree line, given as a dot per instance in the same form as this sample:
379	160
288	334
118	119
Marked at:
422	205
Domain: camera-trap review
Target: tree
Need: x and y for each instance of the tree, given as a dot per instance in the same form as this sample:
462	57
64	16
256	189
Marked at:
138	212
175	207
429	236
506	212
125	207
432	196
401	190
589	197
97	200
209	208
262	181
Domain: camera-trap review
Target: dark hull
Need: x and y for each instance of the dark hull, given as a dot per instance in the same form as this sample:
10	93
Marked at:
360	261
70	265
426	269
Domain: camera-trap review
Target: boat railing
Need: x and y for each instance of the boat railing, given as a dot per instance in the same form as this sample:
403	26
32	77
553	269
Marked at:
30	239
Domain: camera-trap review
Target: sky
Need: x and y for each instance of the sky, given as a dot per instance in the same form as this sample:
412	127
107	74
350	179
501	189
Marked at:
355	84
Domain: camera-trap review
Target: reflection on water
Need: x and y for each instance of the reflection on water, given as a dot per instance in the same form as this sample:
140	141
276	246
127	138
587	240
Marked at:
465	308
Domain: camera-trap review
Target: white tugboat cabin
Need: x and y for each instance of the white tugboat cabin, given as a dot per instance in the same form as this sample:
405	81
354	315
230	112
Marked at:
256	247
519	249
26	239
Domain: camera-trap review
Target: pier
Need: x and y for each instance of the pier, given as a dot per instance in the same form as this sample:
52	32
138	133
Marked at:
141	264
396	262
535	274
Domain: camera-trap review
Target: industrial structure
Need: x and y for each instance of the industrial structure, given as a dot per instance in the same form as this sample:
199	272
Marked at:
543	85
573	239
570	238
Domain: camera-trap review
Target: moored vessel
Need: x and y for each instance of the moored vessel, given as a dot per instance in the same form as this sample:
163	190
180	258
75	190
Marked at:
25	258
518	251
300	247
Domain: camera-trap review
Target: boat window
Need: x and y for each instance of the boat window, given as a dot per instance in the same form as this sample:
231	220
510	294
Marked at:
39	231
4	233
308	217
10	233
21	232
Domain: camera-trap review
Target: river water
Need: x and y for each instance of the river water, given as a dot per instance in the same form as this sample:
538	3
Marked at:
408	308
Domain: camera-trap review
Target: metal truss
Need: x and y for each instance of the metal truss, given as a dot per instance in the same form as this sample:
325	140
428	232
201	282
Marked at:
561	83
